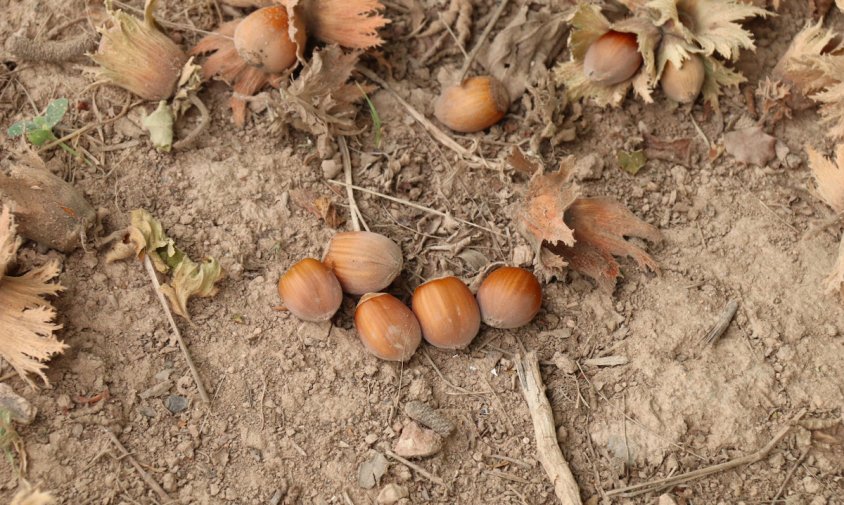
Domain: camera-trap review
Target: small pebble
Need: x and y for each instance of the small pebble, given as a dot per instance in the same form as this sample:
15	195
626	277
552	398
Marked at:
417	442
391	493
176	403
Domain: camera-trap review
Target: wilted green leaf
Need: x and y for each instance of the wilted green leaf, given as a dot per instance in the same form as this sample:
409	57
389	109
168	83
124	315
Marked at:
192	279
146	235
159	124
632	162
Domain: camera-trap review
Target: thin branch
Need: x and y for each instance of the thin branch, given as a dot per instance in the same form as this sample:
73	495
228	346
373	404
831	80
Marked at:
646	487
421	471
788	476
354	210
545	432
203	394
165	498
416	206
204	121
435	132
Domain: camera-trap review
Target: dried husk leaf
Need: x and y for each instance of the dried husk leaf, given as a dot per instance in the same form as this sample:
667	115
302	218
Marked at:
717	76
600	226
540	218
835	281
226	64
714	25
135	55
799	65
588	24
829	176
26	329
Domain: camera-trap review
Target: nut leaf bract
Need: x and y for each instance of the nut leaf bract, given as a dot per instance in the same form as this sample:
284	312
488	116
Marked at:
583	233
600	225
830	180
540	218
26	327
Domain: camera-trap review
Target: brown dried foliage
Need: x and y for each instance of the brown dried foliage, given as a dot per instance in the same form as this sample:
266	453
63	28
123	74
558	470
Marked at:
829	177
322	100
226	64
583	233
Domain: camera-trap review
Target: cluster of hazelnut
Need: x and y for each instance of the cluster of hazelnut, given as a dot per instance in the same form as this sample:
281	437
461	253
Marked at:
444	311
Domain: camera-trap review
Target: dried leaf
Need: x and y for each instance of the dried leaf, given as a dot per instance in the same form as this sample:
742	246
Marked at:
713	24
751	145
192	279
371	471
521	52
774	98
146	236
600	225
632	162
829	176
18	407
522	163
26	329
321	100
540	219
320	206
676	150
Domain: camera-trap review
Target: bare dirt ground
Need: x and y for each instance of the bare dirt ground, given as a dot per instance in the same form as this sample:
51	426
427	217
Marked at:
298	407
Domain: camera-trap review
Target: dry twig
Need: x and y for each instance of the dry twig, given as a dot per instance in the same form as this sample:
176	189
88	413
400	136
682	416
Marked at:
647	487
354	210
545	432
203	394
418	469
165	498
52	51
416	206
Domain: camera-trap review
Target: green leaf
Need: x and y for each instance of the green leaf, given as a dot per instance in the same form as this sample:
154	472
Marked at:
55	111
373	113
632	162
40	136
17	129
